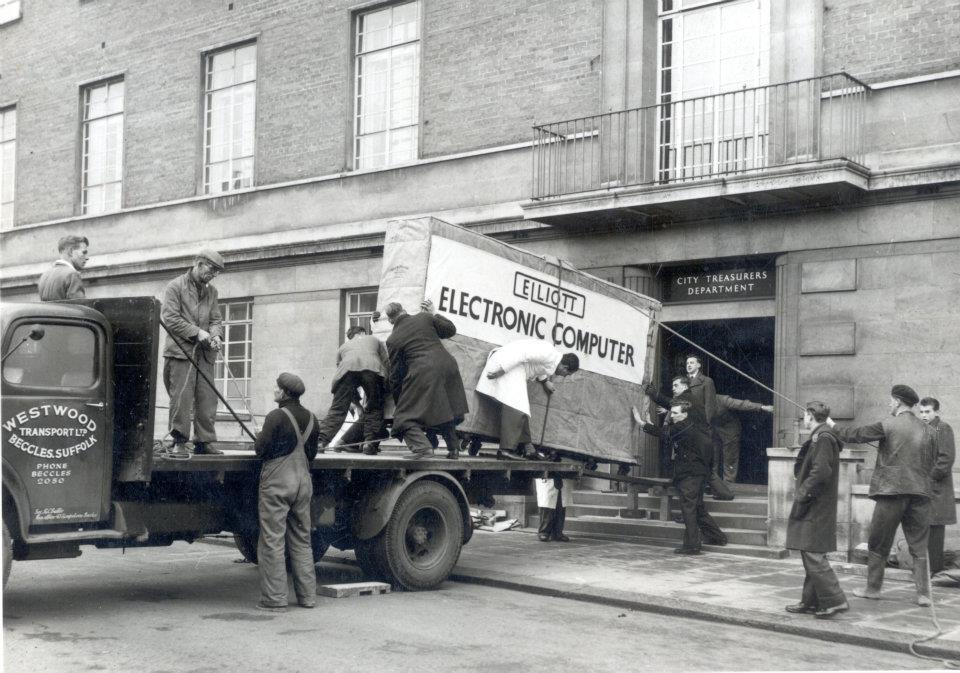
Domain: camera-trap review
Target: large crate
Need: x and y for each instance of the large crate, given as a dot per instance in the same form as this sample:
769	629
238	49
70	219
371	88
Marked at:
495	293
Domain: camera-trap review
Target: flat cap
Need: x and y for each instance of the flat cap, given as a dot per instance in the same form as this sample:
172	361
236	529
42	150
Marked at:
905	393
291	384
212	256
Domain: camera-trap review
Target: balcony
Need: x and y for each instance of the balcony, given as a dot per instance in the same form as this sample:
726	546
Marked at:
779	146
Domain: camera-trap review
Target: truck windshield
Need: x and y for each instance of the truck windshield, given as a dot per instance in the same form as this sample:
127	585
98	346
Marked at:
66	357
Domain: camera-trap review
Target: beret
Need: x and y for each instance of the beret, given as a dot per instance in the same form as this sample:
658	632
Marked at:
291	383
905	393
212	256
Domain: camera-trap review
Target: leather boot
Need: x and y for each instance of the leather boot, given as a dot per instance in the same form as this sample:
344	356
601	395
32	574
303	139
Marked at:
921	578
875	566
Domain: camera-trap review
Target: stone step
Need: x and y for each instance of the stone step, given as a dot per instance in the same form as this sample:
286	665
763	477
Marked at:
741	505
730	548
724	519
629	528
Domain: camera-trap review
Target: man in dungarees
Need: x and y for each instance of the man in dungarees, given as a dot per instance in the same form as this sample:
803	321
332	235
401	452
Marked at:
286	444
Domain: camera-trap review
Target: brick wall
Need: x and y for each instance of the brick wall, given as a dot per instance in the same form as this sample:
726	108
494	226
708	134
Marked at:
878	41
489	71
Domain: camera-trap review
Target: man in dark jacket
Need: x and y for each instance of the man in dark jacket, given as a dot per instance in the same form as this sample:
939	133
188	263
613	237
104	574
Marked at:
942	504
900	489
286	445
362	362
701	387
728	429
812	525
191	311
424	379
62	280
693	451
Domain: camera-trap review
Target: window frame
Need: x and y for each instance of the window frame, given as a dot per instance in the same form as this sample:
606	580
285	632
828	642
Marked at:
355	158
85	90
222	382
348	314
5	109
206	60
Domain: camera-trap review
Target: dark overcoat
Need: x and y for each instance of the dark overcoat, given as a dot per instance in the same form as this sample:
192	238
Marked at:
944	508
705	393
424	377
812	525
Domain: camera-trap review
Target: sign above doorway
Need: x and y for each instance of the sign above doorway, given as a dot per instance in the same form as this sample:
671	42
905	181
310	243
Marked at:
716	282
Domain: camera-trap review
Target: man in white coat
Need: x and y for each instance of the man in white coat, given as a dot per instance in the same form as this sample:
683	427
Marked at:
505	377
552	512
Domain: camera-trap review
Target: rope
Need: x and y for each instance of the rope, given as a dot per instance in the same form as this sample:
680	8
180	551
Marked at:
243	398
947	663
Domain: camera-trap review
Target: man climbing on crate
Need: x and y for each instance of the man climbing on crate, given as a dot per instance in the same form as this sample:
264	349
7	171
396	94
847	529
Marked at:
504	379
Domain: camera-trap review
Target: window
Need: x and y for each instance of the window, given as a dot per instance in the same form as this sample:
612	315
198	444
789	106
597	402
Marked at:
234	382
723	48
9	11
64	357
8	164
229	114
102	172
387	95
360	307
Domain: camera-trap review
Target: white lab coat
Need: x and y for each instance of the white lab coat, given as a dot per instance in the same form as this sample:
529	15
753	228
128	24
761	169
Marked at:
546	493
523	360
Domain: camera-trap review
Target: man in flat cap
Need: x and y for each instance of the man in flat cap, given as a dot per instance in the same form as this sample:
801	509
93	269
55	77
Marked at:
287	444
191	312
900	489
62	280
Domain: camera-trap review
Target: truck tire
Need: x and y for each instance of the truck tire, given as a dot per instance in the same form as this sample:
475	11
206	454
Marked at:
422	540
246	542
371	558
7	554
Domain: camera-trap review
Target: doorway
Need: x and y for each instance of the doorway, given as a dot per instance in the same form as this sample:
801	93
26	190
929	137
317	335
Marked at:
747	344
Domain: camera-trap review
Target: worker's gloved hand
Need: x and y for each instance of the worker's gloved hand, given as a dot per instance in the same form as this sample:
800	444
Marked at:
426	306
496	373
203	337
767	407
548	387
216	343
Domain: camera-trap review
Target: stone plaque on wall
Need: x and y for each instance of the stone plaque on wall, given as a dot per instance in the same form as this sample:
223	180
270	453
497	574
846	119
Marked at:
828	338
835	276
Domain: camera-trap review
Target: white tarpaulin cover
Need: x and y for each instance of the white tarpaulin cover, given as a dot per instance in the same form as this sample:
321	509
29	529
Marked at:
496	293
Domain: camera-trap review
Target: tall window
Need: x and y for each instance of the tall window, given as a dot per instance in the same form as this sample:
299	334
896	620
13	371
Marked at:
360	307
8	164
102	147
387	102
229	113
234	381
723	48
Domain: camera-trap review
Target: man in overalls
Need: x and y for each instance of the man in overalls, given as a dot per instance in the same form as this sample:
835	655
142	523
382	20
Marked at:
286	444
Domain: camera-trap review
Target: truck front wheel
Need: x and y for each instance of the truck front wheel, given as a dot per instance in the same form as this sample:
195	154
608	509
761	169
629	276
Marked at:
422	540
247	540
7	553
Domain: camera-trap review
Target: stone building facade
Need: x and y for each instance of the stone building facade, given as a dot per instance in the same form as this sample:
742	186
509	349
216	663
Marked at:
784	175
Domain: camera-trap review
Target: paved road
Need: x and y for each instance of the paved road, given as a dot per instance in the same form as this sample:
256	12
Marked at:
189	608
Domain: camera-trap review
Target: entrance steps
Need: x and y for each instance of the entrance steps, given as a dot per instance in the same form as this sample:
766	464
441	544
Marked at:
608	516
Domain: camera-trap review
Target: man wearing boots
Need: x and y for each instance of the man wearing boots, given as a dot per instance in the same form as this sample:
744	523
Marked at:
812	525
191	312
900	489
693	454
943	506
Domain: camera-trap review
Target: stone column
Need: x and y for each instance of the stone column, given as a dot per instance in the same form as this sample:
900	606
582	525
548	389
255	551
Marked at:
848	528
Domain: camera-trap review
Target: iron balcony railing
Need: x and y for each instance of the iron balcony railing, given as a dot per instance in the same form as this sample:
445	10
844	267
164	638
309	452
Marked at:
753	129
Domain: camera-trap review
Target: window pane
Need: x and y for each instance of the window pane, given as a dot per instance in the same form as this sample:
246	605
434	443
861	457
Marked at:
66	357
230	116
103	148
368	301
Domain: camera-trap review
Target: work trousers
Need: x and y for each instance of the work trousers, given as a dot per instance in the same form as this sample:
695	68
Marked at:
514	428
552	519
284	509
192	399
935	547
910	511
821	588
344	393
417	440
696	520
730	447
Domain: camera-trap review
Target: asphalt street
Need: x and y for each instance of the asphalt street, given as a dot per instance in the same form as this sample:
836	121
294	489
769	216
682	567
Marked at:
190	608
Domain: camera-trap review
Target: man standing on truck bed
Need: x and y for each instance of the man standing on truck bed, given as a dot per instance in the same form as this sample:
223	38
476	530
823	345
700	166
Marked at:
504	379
424	379
62	280
191	312
286	444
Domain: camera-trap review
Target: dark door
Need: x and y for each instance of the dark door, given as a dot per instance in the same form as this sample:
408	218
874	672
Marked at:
747	344
57	434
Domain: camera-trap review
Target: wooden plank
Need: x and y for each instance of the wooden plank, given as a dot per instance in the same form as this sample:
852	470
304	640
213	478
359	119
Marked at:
353	589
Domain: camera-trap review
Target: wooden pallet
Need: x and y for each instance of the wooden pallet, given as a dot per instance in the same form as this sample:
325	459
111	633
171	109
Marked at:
353	589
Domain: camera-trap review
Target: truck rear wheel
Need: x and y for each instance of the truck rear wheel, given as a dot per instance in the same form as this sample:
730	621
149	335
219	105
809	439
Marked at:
370	556
7	554
247	540
422	540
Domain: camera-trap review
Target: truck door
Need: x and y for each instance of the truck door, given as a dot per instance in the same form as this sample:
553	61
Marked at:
56	420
